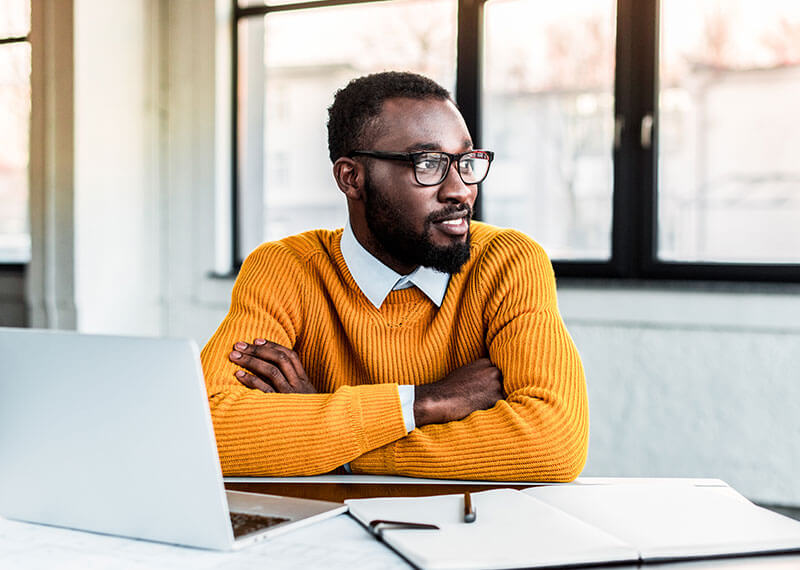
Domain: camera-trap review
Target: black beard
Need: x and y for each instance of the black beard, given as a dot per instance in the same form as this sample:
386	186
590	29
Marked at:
391	229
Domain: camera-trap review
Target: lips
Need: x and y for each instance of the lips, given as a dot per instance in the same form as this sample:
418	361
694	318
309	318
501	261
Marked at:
454	226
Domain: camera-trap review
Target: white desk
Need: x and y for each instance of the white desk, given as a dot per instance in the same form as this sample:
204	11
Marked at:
338	543
335	544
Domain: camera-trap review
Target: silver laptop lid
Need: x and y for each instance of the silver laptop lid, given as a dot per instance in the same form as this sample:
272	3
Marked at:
109	434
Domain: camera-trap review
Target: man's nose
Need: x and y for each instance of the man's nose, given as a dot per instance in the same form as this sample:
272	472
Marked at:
453	188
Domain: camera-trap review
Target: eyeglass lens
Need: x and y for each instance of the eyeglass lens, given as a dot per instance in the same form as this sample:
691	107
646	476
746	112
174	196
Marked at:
431	167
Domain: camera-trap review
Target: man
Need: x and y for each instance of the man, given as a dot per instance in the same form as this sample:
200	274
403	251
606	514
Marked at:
413	341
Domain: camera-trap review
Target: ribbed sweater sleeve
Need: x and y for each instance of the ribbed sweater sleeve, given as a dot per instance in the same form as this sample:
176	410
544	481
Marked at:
286	434
540	431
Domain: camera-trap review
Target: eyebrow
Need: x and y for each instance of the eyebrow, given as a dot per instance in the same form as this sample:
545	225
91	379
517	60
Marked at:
434	147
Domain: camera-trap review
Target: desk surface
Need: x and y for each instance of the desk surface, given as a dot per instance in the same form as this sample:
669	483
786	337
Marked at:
336	543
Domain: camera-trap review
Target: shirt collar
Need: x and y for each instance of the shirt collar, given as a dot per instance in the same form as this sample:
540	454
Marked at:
376	280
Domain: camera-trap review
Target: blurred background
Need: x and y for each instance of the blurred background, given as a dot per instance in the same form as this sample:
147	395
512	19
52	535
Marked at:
652	148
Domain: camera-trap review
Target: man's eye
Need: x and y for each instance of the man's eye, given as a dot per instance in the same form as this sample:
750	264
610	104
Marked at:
429	163
467	165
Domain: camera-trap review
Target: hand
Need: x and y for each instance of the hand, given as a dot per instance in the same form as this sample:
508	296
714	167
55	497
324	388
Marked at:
274	368
475	386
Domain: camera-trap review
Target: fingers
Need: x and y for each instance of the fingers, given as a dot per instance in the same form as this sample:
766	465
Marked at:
264	370
285	359
271	364
253	382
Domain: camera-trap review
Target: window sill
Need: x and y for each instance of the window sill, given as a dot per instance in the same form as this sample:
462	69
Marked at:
759	307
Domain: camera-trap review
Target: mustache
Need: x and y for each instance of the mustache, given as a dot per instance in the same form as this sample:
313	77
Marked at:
448	212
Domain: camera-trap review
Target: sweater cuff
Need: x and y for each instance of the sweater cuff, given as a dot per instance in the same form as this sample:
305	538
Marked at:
381	415
377	462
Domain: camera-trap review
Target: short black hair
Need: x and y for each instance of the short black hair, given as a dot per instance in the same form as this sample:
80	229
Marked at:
361	101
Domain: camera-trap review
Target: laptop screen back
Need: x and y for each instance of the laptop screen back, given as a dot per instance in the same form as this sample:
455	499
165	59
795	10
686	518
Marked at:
109	434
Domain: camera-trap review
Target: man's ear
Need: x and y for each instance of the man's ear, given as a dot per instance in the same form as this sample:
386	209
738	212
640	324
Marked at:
349	176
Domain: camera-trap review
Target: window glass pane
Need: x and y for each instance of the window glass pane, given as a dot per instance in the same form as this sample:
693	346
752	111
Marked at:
15	108
729	131
285	90
15	18
547	113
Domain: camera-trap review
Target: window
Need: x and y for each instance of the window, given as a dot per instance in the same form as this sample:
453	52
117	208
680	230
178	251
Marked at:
729	174
634	139
548	113
15	101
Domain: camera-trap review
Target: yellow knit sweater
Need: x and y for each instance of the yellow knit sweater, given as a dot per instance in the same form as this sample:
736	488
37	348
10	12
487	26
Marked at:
502	304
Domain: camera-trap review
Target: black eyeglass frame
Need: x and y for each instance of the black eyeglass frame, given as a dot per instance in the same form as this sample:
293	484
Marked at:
411	157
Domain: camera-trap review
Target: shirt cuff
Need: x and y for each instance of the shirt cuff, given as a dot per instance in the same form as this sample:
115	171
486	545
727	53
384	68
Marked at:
407	404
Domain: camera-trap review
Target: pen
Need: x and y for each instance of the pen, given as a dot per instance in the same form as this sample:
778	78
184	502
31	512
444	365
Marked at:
469	509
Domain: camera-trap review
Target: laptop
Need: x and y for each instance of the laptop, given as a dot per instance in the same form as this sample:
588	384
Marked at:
113	435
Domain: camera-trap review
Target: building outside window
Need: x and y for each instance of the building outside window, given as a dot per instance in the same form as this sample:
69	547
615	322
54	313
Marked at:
729	174
548	112
15	108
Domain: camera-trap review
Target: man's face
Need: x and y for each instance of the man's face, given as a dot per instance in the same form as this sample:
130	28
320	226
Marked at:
413	224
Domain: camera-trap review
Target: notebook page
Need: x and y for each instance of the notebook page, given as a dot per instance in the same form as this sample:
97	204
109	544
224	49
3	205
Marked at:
676	521
511	531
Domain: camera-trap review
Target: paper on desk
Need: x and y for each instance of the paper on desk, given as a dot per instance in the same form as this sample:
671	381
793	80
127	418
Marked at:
511	531
675	521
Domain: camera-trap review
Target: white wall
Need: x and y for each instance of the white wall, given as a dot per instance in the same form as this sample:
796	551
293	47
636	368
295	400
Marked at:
693	383
117	201
196	175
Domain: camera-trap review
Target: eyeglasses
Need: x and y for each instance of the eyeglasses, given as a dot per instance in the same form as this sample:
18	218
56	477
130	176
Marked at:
431	167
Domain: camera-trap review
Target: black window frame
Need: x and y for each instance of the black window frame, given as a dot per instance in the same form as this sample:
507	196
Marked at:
634	255
7	267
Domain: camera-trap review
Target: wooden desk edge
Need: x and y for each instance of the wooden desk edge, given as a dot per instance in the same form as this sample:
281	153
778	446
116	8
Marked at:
338	492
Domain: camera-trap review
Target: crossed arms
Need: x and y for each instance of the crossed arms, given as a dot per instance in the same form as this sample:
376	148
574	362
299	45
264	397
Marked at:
519	414
472	387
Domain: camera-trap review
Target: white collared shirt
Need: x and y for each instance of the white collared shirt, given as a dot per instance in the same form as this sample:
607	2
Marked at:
376	281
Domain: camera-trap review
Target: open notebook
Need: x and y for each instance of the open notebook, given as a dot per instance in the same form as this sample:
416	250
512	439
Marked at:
553	526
